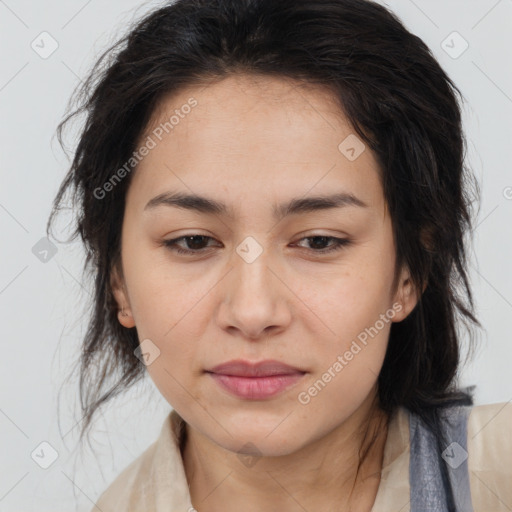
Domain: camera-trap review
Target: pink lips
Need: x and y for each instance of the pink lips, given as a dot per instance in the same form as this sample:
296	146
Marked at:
255	381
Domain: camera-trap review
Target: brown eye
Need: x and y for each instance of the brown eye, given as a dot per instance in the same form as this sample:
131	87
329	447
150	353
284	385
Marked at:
322	240
194	242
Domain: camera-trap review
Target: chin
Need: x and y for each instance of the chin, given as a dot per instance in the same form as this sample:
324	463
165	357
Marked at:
257	446
260	440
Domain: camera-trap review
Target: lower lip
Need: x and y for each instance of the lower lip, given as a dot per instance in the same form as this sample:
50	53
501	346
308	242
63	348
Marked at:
256	388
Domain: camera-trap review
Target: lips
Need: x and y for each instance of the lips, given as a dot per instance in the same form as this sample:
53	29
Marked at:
255	381
269	368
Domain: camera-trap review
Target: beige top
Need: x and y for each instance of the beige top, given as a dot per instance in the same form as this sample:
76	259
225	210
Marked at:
156	481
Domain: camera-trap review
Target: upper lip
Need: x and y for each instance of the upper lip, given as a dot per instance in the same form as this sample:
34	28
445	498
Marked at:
241	368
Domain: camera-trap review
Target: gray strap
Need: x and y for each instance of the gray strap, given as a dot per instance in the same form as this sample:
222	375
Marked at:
439	476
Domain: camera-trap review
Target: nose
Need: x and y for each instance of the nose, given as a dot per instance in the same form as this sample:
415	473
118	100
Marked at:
255	299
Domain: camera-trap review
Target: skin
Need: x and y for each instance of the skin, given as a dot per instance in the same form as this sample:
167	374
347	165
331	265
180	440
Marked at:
251	142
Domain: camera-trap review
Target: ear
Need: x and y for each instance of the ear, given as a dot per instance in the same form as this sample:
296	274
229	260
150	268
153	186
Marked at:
118	287
406	296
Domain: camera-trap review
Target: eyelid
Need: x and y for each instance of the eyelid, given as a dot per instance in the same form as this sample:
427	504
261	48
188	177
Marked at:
339	243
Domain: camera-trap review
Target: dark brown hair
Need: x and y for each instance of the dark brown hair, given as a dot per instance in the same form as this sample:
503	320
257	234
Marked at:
401	104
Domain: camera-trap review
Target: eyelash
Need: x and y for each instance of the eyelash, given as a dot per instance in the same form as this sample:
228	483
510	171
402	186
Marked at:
341	243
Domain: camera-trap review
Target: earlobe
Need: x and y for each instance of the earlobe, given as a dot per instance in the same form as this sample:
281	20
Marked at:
125	317
124	313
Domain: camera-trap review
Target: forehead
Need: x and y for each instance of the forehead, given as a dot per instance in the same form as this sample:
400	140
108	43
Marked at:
249	133
248	91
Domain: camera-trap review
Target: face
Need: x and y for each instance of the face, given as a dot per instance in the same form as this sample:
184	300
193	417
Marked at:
308	284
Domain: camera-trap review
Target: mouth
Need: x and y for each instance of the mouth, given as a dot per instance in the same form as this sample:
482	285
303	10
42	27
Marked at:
255	381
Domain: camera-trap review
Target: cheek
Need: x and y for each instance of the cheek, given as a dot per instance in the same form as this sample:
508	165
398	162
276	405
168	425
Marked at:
163	298
347	301
351	351
163	304
166	321
351	346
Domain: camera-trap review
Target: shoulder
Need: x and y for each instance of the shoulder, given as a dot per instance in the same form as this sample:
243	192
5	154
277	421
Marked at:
154	480
125	490
490	433
489	447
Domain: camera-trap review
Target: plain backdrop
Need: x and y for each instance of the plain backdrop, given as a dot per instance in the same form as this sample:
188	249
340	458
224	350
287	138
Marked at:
42	303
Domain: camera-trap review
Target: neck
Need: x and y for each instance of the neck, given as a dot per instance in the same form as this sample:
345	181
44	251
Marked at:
322	475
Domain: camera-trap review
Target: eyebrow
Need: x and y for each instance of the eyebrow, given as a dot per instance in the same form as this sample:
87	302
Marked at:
294	206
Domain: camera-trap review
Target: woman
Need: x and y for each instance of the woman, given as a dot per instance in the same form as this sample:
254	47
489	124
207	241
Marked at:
274	201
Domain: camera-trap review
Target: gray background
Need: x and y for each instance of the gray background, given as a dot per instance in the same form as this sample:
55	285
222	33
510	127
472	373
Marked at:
42	305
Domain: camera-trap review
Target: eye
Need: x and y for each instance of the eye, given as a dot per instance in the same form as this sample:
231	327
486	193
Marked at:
339	243
195	243
193	239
